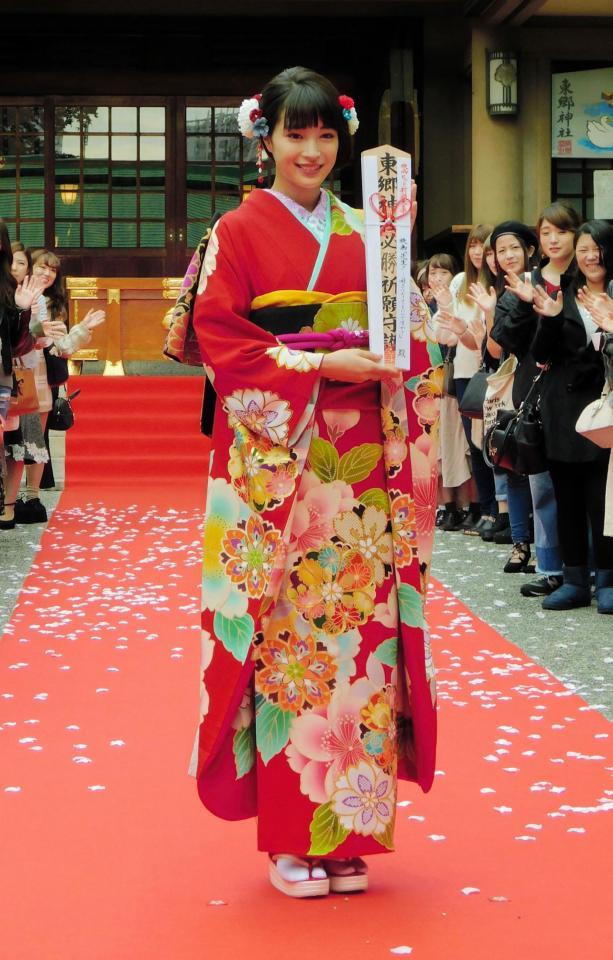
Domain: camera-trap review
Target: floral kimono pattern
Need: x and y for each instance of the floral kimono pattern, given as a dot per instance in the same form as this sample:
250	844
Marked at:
317	680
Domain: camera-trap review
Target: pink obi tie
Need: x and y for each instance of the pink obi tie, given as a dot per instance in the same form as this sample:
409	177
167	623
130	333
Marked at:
338	339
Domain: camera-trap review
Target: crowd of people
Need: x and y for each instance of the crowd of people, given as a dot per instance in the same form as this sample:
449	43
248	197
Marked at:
34	337
533	308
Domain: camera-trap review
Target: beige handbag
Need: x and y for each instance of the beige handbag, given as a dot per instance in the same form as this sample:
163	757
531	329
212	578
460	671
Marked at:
499	393
595	422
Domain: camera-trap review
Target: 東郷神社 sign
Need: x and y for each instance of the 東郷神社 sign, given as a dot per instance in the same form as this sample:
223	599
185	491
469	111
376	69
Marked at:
582	114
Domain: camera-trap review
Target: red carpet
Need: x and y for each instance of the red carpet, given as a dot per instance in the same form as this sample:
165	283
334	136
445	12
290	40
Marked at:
106	851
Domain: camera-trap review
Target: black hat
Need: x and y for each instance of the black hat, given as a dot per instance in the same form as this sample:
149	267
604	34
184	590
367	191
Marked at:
518	229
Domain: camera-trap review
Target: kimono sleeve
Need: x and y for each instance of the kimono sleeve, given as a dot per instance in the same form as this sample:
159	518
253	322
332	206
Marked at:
260	382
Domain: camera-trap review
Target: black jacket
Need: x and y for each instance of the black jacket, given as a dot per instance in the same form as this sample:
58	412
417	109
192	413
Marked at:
515	325
574	379
15	338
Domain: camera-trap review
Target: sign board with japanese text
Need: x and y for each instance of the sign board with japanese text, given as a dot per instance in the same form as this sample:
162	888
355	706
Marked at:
386	189
582	114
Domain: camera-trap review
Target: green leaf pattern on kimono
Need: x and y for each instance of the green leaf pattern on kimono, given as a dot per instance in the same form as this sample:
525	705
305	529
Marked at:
410	606
324	459
326	831
273	727
387	652
236	634
376	497
244	751
357	464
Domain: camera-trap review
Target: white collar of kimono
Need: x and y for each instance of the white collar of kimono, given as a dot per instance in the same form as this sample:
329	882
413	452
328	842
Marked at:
313	220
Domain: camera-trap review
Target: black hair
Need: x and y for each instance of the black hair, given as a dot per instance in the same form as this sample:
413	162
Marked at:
529	262
303	98
601	233
7	280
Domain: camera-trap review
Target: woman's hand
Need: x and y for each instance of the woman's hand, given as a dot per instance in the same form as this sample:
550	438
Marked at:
477	329
357	366
447	320
600	307
485	300
521	288
53	329
442	294
27	292
93	318
545	305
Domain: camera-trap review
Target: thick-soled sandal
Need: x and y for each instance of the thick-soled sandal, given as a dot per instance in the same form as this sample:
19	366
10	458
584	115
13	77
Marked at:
8	524
347	876
296	877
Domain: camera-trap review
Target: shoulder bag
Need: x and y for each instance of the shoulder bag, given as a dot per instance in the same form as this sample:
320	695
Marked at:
516	441
24	396
62	414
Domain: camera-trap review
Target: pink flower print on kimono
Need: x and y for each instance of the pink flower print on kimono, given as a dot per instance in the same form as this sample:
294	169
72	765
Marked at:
261	411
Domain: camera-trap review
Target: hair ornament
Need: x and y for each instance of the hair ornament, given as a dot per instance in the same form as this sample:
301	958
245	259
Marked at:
349	113
251	121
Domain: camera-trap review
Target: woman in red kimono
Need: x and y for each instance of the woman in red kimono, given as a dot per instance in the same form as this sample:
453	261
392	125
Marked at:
318	684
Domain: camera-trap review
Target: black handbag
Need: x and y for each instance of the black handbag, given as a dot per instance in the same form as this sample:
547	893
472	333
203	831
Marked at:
516	441
62	415
57	369
471	405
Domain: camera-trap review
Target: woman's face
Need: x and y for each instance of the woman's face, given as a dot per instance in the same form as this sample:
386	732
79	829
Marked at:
589	260
556	243
19	266
439	277
490	259
45	273
510	253
475	254
303	158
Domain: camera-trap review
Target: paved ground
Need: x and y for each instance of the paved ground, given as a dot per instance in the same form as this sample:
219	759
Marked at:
576	646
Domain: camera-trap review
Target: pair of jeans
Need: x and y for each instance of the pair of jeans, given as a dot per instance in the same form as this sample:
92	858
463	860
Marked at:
520	507
483	475
544	505
501	485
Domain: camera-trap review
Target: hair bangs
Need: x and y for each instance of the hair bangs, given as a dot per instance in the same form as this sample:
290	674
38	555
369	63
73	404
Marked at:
306	105
48	259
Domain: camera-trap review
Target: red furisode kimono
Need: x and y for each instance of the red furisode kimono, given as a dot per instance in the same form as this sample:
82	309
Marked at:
317	679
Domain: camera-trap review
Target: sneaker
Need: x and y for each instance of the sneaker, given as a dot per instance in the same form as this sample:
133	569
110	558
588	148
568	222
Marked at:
517	562
30	511
542	586
500	523
453	521
470	522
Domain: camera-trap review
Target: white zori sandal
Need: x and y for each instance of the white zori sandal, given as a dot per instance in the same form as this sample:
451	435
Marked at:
347	876
297	878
